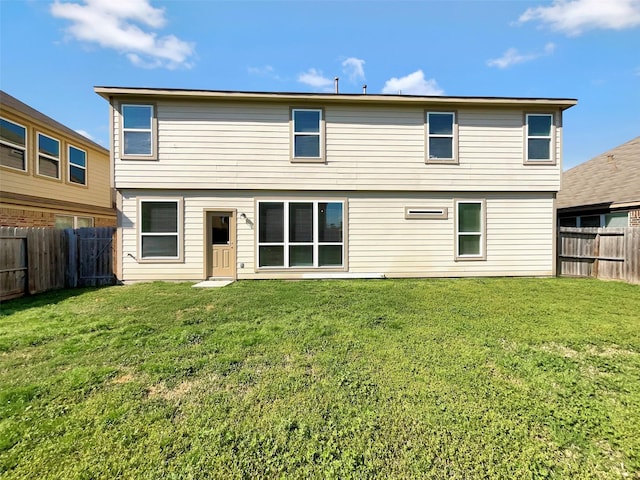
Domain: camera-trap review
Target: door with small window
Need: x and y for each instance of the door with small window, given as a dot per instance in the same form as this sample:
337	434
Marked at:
221	244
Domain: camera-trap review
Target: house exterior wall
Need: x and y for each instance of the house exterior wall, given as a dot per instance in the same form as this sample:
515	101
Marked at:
228	151
222	145
30	199
381	241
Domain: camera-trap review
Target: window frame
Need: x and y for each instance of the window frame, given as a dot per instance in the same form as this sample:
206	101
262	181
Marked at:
483	230
315	243
320	134
12	145
454	160
179	258
551	137
153	131
47	156
69	165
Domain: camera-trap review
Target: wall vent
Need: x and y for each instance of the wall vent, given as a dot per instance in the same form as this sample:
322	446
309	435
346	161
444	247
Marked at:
440	213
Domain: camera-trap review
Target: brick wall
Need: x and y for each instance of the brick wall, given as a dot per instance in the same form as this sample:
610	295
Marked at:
18	217
634	218
15	217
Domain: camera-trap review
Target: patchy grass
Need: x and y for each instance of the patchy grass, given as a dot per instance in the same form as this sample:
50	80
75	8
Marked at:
465	378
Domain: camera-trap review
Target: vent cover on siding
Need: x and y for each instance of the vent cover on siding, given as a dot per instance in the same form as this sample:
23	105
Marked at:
426	212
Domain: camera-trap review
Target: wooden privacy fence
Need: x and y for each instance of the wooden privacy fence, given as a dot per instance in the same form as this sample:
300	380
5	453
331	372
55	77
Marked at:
34	260
606	253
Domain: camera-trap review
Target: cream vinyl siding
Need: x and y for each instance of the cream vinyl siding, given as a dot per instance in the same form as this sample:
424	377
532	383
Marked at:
209	144
379	240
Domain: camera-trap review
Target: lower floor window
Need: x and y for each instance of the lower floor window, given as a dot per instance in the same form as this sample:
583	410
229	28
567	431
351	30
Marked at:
300	234
73	221
470	229
159	228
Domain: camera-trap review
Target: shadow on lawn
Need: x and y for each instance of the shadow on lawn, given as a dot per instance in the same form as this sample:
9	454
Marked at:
51	297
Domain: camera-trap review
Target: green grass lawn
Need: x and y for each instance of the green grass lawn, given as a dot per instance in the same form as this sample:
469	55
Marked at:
462	378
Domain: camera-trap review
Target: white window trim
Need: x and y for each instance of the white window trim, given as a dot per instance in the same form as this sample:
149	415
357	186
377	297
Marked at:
551	137
483	231
180	233
285	244
50	157
18	147
319	134
69	165
453	136
153	131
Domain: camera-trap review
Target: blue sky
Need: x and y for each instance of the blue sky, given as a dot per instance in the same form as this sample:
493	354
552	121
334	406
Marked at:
52	53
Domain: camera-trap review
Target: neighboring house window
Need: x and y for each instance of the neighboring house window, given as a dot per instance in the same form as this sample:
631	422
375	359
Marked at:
441	141
48	156
160	229
77	165
615	219
138	131
539	145
307	126
569	222
300	234
470	230
73	221
590	221
13	145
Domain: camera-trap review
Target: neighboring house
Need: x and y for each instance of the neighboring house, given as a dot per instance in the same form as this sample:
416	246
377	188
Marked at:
604	191
293	185
49	174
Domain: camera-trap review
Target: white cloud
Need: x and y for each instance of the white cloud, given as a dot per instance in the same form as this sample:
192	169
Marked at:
266	71
314	78
513	57
574	17
412	84
354	68
114	24
84	133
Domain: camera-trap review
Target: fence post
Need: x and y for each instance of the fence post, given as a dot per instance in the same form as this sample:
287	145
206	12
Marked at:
72	258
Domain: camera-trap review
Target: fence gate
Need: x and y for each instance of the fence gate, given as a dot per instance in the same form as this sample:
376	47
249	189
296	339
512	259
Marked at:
95	260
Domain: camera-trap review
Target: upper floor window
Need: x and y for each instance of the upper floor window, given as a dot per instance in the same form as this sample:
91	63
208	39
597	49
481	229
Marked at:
138	131
539	144
307	127
13	145
48	156
77	165
441	137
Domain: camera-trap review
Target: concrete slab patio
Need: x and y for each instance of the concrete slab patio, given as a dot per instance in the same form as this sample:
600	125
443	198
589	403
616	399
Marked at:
213	283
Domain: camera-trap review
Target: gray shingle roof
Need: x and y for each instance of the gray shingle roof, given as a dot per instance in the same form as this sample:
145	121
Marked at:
610	178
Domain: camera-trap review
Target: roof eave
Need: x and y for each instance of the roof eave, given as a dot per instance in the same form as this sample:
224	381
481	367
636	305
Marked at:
108	92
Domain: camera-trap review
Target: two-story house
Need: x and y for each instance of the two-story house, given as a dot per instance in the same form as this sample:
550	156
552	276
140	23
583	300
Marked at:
293	185
50	175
